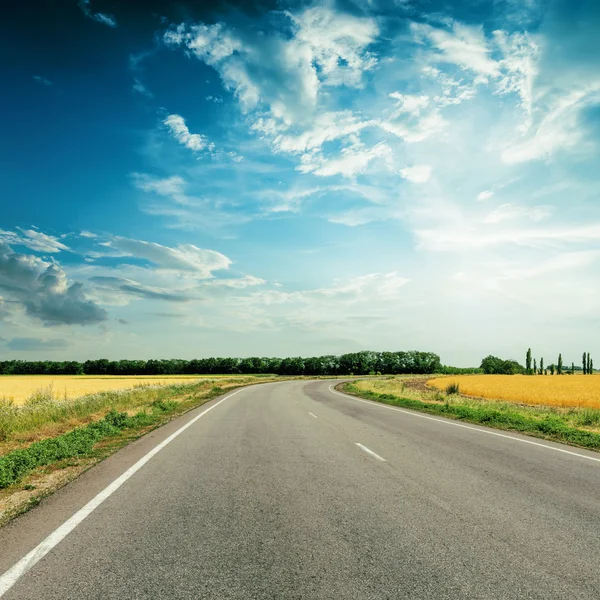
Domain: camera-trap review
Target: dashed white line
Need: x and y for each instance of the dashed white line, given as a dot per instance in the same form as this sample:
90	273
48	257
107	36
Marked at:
313	415
27	562
370	452
454	424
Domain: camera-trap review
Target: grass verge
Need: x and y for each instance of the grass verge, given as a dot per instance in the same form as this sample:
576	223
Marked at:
544	423
35	469
44	416
78	442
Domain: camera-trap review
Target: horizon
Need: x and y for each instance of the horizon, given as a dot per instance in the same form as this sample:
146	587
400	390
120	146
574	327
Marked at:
281	179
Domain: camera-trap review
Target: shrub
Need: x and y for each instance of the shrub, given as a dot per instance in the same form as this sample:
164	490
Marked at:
453	388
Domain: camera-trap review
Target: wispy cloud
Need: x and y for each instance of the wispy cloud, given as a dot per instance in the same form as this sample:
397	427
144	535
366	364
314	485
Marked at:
85	6
42	80
179	130
34	240
141	89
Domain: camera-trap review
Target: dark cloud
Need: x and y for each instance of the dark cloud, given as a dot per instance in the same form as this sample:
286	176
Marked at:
133	288
33	344
43	289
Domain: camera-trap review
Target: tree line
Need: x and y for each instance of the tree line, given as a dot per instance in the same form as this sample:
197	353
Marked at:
357	363
499	366
558	368
495	365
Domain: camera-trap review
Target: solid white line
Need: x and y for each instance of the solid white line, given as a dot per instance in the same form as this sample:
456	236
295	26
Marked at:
370	452
27	562
313	415
454	424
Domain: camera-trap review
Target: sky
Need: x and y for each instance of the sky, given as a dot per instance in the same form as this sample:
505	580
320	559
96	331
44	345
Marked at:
192	179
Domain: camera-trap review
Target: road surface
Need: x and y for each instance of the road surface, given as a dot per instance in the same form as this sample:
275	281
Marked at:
289	490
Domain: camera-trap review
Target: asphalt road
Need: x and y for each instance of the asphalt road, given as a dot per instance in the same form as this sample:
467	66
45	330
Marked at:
269	495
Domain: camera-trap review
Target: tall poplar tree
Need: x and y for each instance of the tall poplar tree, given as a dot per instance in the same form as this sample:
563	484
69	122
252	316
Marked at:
560	365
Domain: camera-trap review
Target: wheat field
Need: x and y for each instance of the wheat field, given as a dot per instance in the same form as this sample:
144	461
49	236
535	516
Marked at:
550	390
20	388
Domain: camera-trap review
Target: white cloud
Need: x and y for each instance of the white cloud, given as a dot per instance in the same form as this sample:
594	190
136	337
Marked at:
282	74
363	299
103	18
338	43
180	131
185	257
485	195
260	69
326	127
414	118
519	65
420	130
557	129
460	44
170	186
507	212
444	239
352	161
410	104
561	262
417	173
34	240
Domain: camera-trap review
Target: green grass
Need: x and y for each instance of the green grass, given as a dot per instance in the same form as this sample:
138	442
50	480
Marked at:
549	424
78	442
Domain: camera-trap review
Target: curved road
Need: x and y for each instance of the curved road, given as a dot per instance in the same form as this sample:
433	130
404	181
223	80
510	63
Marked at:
290	490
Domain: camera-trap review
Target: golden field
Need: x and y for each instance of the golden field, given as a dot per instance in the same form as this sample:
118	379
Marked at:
551	390
21	387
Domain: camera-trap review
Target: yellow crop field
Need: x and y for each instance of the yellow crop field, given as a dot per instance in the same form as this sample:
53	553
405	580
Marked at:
20	387
551	390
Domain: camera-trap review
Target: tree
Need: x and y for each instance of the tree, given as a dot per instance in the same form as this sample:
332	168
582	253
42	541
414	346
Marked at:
534	366
591	367
542	365
559	367
492	365
551	369
572	368
528	361
584	363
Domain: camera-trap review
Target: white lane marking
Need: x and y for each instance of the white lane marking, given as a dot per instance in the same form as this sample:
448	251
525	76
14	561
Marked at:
454	424
370	452
313	415
27	562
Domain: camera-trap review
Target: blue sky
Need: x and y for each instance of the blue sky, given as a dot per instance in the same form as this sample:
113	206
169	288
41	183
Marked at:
300	178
